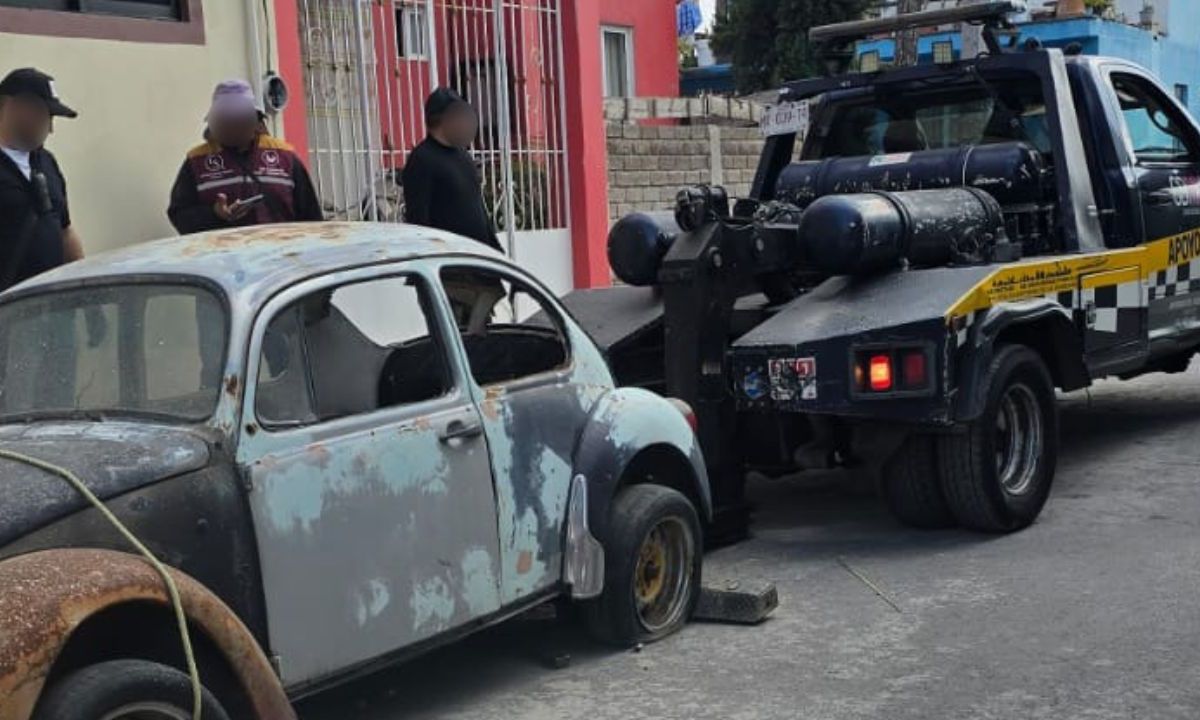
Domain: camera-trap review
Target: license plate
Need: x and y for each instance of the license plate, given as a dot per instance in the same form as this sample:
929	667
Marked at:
785	119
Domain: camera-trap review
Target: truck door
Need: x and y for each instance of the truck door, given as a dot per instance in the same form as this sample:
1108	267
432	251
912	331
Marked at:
1113	314
1163	146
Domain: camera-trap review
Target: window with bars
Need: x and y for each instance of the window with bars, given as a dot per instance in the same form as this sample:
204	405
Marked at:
412	30
150	9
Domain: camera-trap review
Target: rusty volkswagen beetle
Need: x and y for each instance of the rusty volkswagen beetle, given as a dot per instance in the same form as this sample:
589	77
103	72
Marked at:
349	443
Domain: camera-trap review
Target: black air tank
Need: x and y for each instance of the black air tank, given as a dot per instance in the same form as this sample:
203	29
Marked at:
1011	172
869	232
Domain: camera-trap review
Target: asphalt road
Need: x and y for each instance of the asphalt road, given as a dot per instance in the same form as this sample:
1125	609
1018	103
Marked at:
1091	613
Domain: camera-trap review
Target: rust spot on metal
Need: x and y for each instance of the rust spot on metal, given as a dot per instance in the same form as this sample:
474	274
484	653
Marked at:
260	234
524	562
319	455
48	595
232	385
490	409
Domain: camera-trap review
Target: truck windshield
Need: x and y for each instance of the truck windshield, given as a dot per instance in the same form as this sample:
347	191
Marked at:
153	350
933	120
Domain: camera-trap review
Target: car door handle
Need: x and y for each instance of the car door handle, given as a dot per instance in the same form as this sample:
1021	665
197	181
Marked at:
1159	198
459	429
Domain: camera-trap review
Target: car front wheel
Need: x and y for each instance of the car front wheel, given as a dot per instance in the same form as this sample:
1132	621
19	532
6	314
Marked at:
652	567
996	476
125	690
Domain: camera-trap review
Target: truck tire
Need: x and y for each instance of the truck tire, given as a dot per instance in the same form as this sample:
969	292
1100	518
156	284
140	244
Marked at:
912	488
125	690
996	475
652	569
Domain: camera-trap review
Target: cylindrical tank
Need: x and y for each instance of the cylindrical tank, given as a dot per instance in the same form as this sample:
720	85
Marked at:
1011	172
867	232
637	244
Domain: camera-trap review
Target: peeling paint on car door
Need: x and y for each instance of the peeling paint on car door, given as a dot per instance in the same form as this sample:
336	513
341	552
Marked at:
375	531
533	424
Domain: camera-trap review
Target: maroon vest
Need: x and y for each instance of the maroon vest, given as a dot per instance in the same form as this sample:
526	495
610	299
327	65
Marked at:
267	170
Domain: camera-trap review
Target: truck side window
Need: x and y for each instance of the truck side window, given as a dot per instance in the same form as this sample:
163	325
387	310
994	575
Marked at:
350	350
508	331
1156	129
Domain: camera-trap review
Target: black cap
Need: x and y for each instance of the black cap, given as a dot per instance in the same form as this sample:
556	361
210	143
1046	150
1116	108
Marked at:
440	101
28	81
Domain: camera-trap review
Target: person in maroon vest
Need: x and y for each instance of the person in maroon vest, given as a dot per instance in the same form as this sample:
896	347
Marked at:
240	175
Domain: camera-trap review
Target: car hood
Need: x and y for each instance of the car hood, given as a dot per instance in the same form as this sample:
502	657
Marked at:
111	458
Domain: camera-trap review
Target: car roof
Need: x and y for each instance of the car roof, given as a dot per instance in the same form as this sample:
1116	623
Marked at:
254	262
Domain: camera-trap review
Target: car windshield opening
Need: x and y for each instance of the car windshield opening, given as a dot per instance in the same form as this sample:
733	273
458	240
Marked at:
136	349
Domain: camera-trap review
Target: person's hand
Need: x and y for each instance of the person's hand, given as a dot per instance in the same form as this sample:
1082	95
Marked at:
229	212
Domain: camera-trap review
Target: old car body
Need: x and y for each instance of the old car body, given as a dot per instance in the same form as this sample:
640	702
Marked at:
341	496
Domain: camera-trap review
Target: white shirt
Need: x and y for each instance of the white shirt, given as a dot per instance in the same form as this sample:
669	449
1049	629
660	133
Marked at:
21	158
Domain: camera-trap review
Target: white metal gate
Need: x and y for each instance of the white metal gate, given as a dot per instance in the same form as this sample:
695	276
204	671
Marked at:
370	65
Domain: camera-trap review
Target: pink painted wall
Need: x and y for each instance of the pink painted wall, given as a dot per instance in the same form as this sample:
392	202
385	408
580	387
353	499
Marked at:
656	55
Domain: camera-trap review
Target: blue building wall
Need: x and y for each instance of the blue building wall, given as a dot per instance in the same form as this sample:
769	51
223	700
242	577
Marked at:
1174	58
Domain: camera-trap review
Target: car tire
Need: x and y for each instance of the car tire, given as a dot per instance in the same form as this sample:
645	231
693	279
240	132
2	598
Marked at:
912	488
996	475
121	689
652	567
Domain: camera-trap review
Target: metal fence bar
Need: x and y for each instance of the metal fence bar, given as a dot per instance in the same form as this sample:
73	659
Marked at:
365	104
565	177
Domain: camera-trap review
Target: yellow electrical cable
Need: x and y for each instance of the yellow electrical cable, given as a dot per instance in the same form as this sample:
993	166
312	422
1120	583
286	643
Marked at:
172	590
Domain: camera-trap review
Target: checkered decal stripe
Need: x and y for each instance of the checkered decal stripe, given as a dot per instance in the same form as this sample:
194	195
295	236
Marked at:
1065	298
1174	281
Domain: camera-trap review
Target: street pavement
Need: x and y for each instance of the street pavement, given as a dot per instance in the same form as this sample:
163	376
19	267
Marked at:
1091	613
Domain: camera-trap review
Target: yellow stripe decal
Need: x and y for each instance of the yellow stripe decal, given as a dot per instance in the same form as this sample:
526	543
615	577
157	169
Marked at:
1043	276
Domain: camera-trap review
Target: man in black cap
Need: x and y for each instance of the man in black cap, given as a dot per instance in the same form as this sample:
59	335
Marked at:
442	187
35	224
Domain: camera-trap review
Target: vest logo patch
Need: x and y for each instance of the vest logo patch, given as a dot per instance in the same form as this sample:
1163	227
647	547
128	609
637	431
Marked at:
214	163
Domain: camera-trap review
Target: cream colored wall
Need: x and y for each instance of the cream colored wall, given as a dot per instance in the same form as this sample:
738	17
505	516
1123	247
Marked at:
140	109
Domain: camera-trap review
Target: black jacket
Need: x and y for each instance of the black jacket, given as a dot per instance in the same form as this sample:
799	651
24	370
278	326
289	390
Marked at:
442	189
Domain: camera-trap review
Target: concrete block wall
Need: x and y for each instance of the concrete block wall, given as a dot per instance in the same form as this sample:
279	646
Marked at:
649	164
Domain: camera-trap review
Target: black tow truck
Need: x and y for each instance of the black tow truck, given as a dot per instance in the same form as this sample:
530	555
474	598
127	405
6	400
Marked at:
909	285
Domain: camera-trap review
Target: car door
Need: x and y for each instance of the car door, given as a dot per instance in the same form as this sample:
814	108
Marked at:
534	410
1163	147
1163	143
371	488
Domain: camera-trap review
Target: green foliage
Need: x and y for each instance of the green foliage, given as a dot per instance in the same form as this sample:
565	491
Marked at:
531	188
1097	6
687	54
767	40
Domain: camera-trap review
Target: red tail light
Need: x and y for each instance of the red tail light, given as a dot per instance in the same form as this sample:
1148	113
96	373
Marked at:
914	369
880	373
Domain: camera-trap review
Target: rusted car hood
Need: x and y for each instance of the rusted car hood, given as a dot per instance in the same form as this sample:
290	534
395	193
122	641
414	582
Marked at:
112	458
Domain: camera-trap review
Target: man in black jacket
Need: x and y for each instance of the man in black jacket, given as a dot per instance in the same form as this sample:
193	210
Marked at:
35	224
442	187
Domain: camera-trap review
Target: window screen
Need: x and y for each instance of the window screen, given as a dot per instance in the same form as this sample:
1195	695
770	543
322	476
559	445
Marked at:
155	9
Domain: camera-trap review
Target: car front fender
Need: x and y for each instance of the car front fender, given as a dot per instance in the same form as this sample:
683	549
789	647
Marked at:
628	423
48	595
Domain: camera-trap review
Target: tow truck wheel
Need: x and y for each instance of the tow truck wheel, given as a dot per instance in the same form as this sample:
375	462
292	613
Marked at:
996	476
125	690
652	567
911	486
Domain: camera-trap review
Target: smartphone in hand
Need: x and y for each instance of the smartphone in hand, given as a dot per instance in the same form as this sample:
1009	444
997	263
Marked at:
246	202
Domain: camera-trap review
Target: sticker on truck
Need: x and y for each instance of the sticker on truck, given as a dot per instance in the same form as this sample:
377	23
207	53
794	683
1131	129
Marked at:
793	379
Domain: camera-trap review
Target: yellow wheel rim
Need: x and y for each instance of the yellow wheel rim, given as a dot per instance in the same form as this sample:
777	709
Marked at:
651	569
